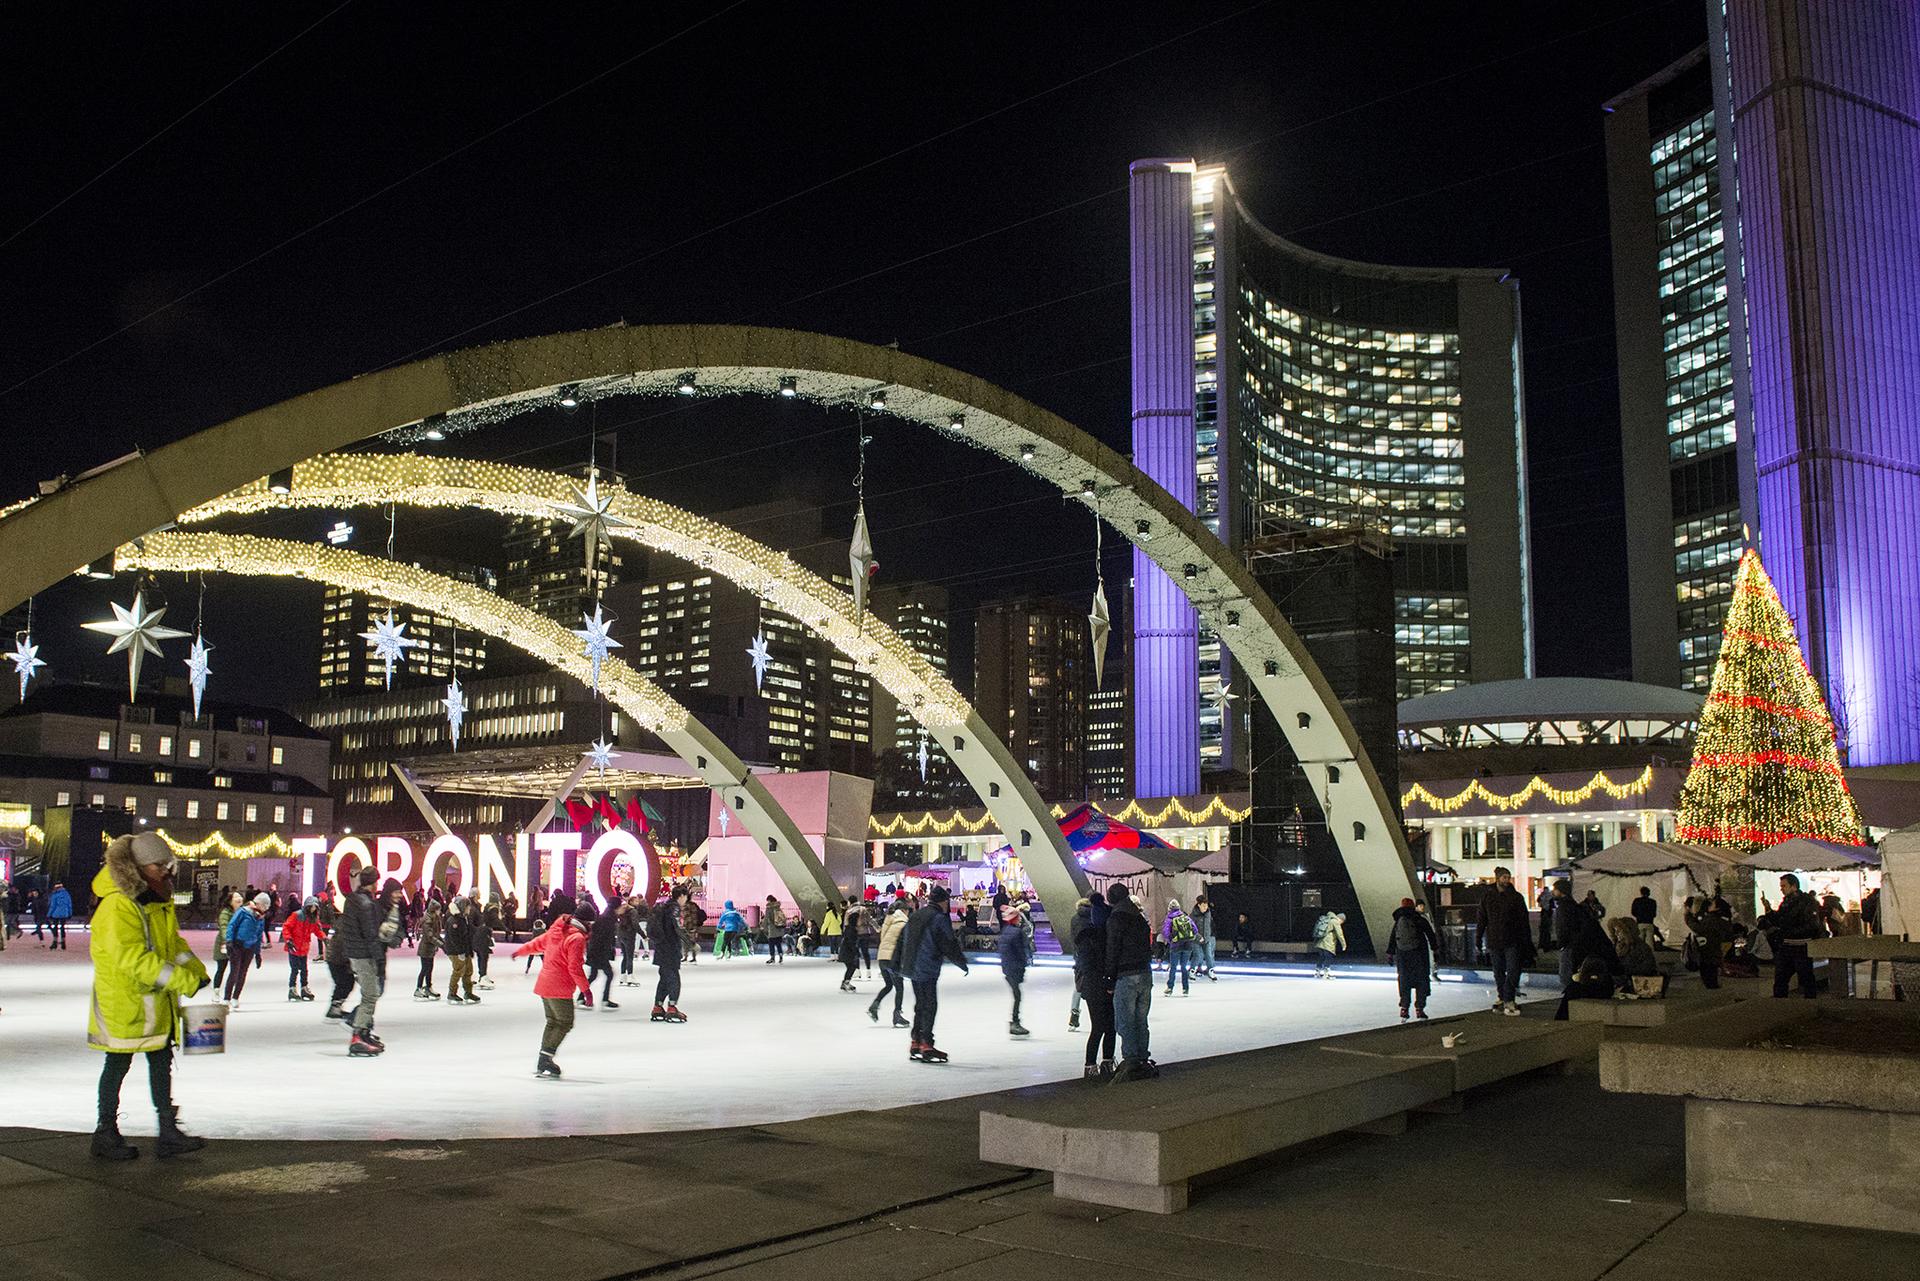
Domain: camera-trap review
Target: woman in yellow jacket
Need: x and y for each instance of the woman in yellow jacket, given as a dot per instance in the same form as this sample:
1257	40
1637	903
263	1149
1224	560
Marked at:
141	967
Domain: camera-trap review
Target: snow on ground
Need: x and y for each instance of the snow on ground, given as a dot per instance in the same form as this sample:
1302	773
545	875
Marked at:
762	1044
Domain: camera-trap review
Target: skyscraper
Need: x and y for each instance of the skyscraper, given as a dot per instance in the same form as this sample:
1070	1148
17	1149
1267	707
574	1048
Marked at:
546	567
1277	389
1767	238
1031	668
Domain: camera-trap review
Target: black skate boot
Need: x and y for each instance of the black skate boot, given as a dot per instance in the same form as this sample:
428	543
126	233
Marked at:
547	1067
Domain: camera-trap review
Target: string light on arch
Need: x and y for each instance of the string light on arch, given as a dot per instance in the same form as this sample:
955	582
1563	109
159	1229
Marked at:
1535	787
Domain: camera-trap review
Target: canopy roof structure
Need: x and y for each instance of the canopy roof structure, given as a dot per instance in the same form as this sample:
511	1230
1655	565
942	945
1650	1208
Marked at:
1644	858
1804	854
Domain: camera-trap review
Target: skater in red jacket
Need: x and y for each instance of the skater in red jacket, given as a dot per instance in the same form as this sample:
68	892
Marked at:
297	934
562	947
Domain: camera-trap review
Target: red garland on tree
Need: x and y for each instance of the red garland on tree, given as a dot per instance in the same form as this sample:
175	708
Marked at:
1766	767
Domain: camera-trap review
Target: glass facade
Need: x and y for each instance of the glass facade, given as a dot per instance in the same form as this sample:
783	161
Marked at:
1696	341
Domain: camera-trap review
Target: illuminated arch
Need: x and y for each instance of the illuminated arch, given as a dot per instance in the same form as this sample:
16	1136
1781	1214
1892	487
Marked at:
472	607
335	481
43	540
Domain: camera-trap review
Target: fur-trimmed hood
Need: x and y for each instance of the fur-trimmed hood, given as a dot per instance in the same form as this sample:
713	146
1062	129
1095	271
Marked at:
118	871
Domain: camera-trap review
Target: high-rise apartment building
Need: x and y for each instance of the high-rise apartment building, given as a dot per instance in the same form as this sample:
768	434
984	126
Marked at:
1766	250
1277	389
545	564
1110	708
348	664
1031	668
691	632
919	613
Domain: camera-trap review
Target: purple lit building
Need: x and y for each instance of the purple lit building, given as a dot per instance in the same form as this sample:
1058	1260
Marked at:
1802	119
1280	392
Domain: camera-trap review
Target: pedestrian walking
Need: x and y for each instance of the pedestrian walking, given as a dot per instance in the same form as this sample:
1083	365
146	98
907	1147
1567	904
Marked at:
664	933
246	932
458	940
1789	928
1088	931
59	912
1506	938
773	928
926	944
1129	972
433	927
1646	913
1566	922
1205	941
1180	935
142	968
561	976
367	928
1411	945
1011	916
601	941
889	958
297	935
1329	939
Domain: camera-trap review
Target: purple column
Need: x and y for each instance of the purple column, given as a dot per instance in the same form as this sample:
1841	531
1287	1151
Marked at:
1826	149
1166	663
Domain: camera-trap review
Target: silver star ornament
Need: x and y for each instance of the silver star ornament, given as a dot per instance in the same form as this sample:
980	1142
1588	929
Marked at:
198	669
26	659
600	755
592	517
598	644
759	655
390	642
138	633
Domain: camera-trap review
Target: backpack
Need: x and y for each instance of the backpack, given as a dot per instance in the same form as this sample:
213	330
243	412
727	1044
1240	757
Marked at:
1182	930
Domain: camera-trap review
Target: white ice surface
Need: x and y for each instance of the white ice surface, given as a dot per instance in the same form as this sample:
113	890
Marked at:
762	1044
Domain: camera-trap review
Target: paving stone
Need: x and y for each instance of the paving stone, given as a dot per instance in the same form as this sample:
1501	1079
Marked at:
70	1207
13	1173
1710	1247
125	1255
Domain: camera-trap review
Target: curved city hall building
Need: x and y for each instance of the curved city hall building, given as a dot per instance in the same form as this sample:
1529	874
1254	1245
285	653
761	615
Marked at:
1333	420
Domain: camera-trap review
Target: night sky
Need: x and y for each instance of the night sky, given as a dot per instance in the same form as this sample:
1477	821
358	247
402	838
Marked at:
382	182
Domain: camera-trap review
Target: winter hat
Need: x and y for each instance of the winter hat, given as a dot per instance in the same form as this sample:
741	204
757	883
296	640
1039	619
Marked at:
1406	902
149	848
263	900
938	894
310	902
367	876
1116	894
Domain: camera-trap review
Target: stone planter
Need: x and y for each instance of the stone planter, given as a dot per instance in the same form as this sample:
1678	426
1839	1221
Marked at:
1799	1110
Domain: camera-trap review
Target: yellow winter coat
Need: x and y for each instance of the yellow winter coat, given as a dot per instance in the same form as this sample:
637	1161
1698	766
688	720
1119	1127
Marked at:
140	962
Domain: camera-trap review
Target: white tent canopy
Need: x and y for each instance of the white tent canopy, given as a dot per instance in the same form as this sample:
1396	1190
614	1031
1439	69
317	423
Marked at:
1803	854
1674	872
1900	888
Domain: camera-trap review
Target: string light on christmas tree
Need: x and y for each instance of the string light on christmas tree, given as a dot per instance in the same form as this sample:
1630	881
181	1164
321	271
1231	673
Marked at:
1766	764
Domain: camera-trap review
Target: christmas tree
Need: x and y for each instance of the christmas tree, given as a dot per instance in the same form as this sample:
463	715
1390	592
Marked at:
1766	768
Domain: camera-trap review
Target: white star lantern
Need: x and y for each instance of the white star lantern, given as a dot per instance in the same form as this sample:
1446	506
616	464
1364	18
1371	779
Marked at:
1223	697
456	704
592	517
759	655
390	642
600	755
923	758
861	559
137	632
26	659
593	635
198	669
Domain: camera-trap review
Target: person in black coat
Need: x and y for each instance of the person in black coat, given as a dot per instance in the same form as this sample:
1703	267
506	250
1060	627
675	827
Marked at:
1789	928
1506	938
1129	966
1411	945
663	928
601	943
1089	934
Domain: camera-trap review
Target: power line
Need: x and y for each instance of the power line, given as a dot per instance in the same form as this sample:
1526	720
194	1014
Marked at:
59	204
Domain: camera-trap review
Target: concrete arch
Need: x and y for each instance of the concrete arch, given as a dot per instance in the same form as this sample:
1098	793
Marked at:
43	540
786	849
983	759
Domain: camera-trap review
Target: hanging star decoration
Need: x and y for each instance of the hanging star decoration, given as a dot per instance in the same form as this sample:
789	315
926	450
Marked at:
1223	697
600	755
456	704
198	669
592	517
861	560
923	758
26	659
759	655
390	642
1099	624
139	633
594	635
726	816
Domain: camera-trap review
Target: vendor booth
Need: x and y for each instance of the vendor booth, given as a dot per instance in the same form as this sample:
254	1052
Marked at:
1824	867
1674	872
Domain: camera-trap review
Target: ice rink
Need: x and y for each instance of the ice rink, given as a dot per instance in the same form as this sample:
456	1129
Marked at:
762	1044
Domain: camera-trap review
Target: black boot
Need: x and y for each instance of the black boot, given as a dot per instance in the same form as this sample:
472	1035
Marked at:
109	1146
173	1139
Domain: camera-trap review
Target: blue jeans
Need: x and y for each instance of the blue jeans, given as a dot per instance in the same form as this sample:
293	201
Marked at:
1179	959
1207	946
1132	998
1506	972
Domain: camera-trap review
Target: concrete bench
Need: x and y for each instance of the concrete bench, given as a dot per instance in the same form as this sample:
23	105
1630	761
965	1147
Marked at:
1677	1004
1140	1145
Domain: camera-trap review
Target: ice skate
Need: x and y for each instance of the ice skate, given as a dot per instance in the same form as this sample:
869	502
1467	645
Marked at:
609	1004
873	1011
361	1048
335	1012
547	1067
1073	1020
659	1014
674	1015
930	1055
471	999
899	1021
292	995
432	995
305	994
1014	1029
419	994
